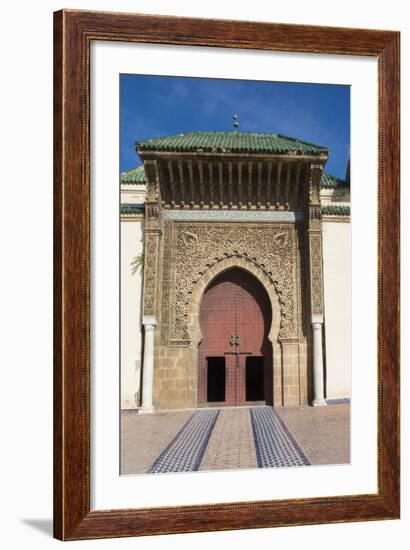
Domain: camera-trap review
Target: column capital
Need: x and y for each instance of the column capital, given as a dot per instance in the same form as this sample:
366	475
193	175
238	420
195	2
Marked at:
149	322
317	319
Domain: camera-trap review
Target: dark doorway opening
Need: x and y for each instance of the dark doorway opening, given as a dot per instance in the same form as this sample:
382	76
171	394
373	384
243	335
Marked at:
255	379
216	379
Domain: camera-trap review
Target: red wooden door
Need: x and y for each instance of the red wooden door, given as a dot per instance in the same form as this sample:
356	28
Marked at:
235	318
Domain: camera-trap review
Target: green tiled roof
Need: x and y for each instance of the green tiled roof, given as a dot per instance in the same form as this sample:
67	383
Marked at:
335	210
132	208
330	182
135	176
230	142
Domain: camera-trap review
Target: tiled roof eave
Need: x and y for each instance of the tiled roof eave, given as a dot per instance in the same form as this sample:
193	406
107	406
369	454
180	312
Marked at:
284	155
128	208
335	210
330	182
134	177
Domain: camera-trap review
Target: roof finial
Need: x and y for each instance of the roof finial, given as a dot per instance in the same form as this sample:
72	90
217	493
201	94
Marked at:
235	121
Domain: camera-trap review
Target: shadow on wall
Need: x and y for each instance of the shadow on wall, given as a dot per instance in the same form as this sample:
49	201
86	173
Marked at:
43	525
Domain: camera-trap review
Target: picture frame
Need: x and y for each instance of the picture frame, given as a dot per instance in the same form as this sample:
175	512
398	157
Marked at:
74	32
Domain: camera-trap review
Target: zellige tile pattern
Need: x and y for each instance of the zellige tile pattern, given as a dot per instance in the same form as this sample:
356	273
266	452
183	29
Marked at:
144	437
185	452
234	438
275	446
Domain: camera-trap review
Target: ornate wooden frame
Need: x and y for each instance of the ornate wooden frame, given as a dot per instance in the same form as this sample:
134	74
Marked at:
74	31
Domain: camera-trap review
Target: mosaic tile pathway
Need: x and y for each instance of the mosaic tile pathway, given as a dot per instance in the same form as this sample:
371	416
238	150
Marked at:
234	438
185	452
274	444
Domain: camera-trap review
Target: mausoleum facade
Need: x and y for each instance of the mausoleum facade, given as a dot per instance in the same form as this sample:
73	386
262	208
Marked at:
235	274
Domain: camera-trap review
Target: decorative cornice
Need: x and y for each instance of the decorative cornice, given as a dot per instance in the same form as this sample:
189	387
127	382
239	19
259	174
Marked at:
234	215
136	177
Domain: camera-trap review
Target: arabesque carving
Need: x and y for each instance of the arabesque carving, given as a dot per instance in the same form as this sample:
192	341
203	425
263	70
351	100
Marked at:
198	246
150	273
316	274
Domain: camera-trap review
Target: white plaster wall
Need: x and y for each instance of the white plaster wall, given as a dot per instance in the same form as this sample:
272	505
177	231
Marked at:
133	194
338	197
337	268
131	336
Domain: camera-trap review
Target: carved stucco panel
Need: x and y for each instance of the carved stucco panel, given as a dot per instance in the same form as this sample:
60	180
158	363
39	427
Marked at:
198	246
150	272
166	284
316	274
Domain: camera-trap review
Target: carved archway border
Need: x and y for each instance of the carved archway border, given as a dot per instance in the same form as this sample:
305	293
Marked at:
191	249
217	268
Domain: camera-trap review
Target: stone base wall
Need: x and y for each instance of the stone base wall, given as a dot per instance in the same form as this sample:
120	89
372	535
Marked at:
176	376
303	373
290	383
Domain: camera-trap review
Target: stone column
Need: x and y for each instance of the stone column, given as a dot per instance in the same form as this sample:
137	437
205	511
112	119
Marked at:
318	382
153	232
316	281
148	363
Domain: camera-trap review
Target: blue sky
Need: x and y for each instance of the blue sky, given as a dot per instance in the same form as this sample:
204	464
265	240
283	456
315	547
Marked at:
152	106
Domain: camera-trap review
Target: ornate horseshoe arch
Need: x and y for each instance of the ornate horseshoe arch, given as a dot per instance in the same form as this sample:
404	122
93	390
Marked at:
200	286
269	248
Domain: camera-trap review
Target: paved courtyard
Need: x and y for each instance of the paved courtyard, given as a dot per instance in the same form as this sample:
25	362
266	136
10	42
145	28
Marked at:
234	438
